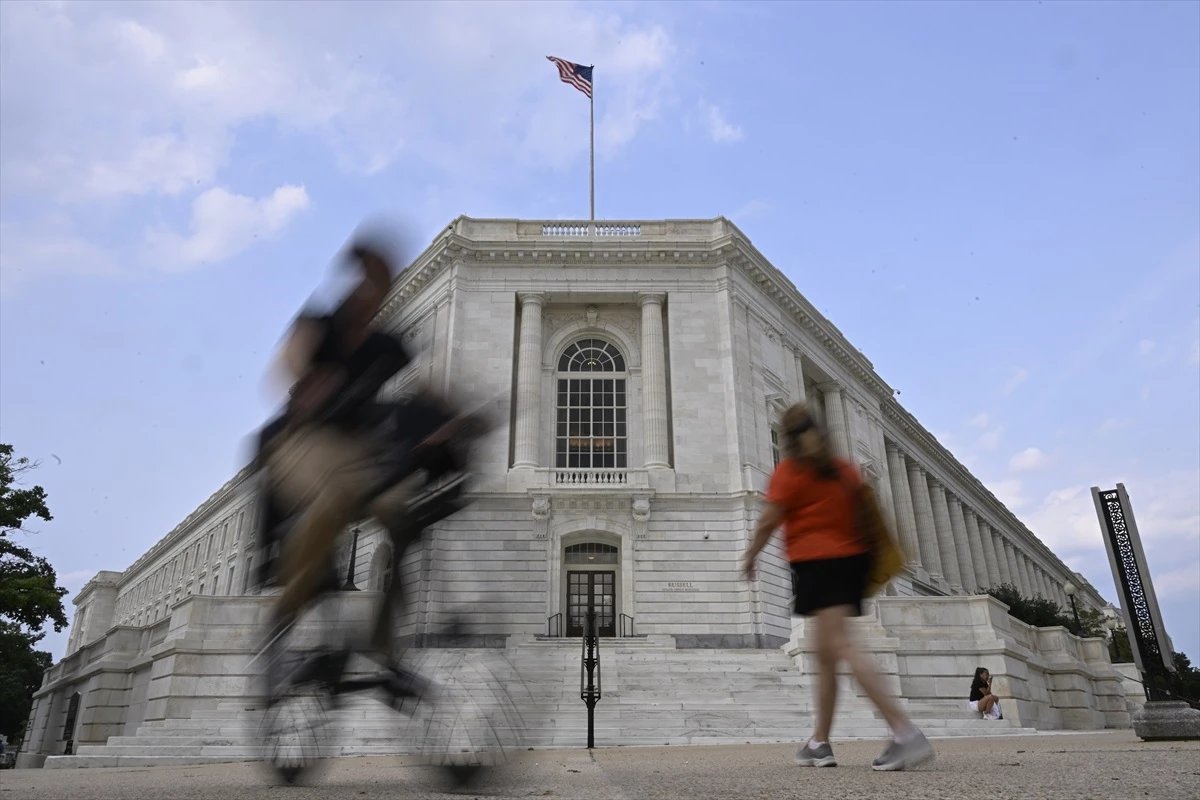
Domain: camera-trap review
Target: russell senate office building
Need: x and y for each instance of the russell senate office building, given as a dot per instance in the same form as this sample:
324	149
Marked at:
640	368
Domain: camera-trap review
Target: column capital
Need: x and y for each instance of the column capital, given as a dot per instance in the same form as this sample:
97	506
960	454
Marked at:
830	386
532	299
651	298
891	447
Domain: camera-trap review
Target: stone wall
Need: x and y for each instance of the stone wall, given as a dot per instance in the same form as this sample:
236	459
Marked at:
929	648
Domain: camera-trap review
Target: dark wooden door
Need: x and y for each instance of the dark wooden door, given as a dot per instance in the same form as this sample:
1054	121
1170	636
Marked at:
592	591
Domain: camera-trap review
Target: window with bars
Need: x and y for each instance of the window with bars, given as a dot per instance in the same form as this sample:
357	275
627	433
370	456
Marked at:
775	458
591	427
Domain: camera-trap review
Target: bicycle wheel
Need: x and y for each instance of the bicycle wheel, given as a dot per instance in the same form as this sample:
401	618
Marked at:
295	719
472	723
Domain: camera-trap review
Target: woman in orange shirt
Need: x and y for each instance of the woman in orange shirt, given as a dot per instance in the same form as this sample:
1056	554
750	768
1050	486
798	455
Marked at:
812	495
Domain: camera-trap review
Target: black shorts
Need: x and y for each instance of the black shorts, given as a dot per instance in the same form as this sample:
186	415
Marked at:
828	582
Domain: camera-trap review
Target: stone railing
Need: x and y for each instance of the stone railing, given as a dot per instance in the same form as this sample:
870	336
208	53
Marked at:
590	229
682	231
591	477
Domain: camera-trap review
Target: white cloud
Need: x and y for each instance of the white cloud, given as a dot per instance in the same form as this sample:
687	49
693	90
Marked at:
980	420
719	128
1166	506
48	246
991	439
1178	583
223	224
1028	460
75	580
1145	347
1019	376
1009	492
371	82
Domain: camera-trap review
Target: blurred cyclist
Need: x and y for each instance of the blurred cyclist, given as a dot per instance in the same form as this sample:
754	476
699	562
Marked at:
323	458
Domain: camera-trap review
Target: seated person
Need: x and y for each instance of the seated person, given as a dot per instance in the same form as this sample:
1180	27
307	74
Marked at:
981	698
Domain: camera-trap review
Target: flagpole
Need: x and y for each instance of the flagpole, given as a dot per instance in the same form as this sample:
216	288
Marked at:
592	144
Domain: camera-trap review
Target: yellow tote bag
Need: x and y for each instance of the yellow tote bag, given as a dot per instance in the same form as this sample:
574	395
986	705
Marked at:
887	559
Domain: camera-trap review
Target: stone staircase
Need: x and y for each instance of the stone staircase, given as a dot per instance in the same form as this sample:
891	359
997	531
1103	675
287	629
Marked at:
653	694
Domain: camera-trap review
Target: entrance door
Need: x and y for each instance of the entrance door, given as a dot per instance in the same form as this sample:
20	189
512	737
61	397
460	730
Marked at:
591	591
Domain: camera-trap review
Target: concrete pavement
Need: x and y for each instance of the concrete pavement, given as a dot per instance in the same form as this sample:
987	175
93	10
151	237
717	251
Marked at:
1091	766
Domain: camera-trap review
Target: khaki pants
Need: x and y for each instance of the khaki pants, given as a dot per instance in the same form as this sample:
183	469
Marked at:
325	473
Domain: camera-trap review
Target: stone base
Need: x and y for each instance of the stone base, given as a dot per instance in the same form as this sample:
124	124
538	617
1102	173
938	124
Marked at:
1165	720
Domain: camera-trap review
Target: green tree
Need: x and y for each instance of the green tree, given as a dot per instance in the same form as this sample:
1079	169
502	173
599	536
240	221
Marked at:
1043	613
1120	649
30	597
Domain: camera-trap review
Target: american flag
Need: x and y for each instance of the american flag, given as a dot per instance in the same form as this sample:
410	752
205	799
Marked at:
575	74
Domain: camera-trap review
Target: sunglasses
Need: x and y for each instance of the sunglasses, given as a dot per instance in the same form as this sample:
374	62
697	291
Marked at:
801	427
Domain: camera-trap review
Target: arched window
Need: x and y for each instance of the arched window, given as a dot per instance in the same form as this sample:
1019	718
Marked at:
591	428
590	553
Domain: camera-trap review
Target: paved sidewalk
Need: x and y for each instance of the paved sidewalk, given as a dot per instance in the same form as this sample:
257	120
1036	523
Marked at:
1099	766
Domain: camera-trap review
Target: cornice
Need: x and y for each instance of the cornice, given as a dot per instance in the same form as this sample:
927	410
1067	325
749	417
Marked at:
740	254
215	501
708	241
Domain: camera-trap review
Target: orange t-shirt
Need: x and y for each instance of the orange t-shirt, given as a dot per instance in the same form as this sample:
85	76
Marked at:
818	514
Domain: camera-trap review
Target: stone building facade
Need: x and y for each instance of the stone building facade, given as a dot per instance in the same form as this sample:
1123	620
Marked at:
641	367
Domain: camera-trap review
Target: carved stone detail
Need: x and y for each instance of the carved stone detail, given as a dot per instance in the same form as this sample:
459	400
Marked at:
541	517
641	509
641	520
591	504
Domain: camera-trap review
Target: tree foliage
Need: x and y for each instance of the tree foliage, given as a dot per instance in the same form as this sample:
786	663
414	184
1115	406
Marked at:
1186	680
1043	613
30	597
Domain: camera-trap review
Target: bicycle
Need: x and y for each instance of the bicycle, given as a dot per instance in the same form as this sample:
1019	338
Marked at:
304	685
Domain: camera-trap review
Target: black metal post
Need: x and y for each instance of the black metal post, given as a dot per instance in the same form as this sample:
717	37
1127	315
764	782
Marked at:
590	692
349	585
1075	611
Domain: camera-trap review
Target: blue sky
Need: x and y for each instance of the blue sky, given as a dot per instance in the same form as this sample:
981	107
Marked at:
998	203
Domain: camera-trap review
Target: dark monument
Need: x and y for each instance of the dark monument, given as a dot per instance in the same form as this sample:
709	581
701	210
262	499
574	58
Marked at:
1163	716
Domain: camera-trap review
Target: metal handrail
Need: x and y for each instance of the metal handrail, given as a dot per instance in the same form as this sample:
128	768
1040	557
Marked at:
622	631
556	619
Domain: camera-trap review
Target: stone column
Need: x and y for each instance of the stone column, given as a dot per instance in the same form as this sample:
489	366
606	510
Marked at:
835	419
951	562
654	383
906	521
1023	569
968	544
1039	577
1001	555
1010	555
798	392
979	530
923	510
529	381
885	481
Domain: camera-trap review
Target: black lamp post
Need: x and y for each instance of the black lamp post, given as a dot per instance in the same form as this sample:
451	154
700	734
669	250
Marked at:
349	585
1069	589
